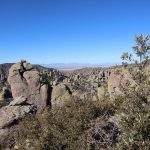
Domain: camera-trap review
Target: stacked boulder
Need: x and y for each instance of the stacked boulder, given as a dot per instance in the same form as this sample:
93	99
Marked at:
30	95
25	81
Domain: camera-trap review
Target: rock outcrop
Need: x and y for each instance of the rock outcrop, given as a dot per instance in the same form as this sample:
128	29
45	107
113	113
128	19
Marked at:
16	110
25	81
10	114
101	92
60	94
118	79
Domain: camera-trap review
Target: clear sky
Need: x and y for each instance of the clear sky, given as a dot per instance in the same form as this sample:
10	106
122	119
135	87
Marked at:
67	31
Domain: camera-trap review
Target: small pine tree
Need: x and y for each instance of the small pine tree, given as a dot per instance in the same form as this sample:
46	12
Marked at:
141	49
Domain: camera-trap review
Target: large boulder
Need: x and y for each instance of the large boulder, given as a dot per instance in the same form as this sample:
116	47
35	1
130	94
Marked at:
118	79
25	81
10	114
60	94
101	92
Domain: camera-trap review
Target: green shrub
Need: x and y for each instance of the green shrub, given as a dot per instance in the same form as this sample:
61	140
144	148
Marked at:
133	111
62	127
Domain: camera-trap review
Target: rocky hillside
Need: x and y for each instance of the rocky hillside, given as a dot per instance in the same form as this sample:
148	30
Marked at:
89	96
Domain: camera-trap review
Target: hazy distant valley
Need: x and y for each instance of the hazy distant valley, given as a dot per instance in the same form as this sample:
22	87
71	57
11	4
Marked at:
74	66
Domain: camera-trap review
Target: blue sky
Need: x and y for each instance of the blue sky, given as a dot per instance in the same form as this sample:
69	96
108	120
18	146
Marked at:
67	31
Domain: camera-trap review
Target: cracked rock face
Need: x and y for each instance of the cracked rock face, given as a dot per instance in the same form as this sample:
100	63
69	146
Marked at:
25	81
10	114
19	101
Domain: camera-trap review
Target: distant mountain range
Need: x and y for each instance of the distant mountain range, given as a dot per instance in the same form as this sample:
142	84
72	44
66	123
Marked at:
73	66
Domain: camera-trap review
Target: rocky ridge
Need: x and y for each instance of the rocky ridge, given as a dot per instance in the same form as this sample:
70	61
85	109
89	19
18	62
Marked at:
27	89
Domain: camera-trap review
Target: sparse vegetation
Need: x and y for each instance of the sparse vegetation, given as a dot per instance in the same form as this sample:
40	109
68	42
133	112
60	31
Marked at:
133	109
113	113
70	127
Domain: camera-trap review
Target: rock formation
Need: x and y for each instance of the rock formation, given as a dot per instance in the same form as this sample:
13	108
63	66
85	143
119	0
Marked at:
118	79
11	114
25	81
32	88
60	94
